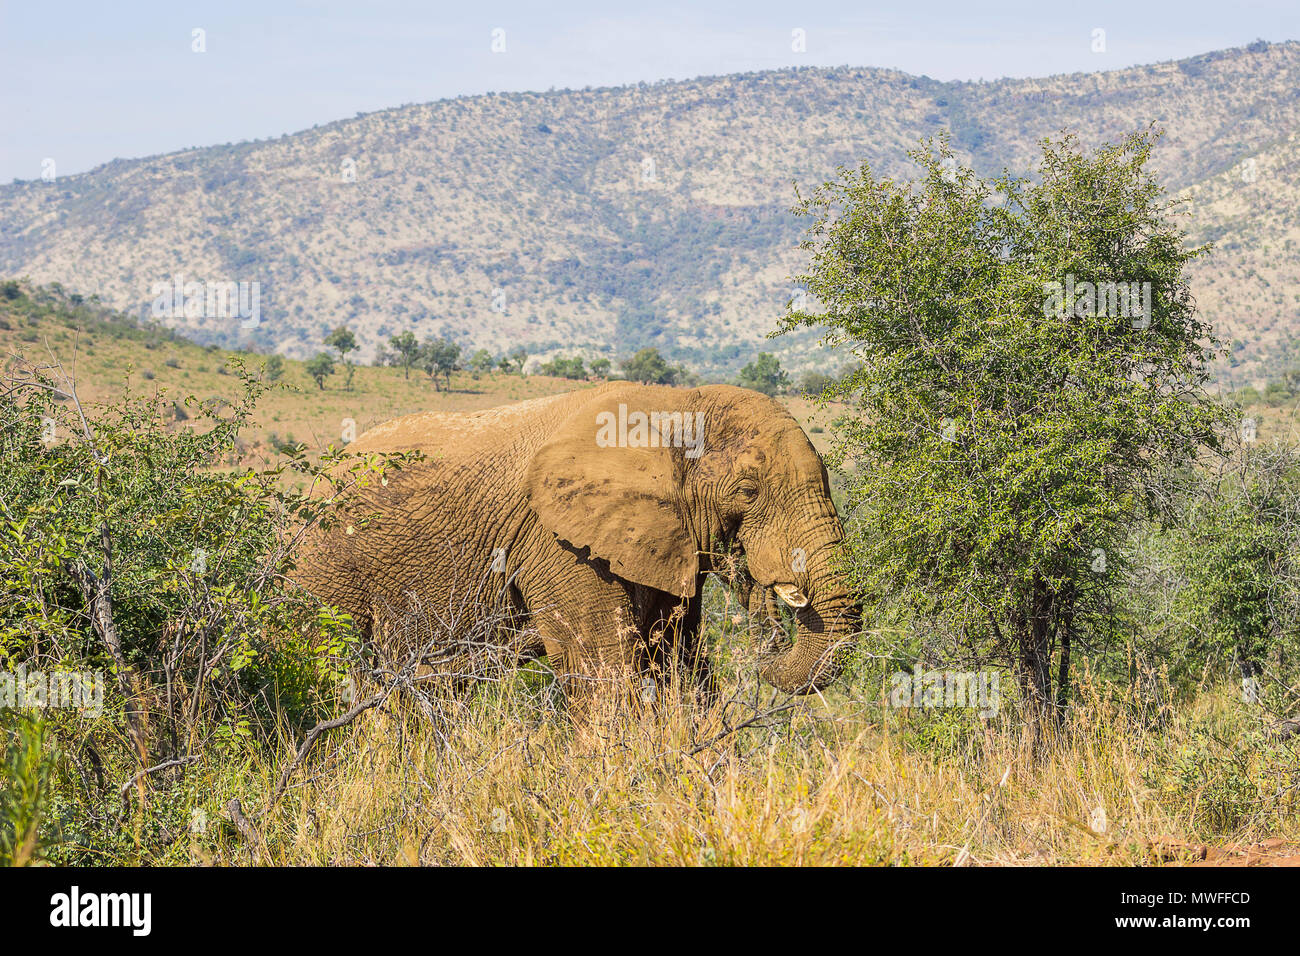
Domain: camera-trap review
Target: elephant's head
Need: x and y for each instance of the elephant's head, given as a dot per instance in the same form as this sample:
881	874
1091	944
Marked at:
649	478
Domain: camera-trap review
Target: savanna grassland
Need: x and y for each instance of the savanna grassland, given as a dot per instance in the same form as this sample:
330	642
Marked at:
842	780
111	359
1161	759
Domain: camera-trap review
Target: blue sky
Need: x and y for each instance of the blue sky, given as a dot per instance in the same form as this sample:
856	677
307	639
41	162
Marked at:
83	83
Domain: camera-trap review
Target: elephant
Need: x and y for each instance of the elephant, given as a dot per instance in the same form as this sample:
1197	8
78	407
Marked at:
594	516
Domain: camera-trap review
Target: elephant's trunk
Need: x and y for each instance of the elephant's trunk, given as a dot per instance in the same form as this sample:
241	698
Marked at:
823	626
814	660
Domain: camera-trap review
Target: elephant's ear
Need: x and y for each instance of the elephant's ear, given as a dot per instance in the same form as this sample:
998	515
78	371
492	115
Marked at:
622	503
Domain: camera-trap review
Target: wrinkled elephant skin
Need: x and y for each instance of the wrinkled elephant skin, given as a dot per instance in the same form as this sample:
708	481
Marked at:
594	515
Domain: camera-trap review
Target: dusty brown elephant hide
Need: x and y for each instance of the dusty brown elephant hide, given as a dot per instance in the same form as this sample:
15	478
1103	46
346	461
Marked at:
596	525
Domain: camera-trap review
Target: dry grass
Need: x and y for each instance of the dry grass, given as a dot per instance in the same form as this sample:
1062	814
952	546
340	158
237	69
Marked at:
506	779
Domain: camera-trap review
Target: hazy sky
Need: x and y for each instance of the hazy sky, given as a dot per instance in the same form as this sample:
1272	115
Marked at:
83	83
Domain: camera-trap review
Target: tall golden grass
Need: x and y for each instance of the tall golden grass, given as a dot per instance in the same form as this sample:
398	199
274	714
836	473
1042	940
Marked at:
504	777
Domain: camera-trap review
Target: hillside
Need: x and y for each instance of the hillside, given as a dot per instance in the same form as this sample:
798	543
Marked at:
1251	212
110	354
610	219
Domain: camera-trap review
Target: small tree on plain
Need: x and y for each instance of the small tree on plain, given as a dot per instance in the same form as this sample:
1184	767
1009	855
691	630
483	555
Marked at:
764	374
648	367
319	368
344	341
439	357
518	357
407	348
1011	423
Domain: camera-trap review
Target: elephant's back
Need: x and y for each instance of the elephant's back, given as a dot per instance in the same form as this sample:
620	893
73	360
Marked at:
474	434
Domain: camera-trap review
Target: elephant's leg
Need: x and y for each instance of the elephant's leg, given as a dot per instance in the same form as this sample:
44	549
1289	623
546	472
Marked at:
694	653
589	629
675	644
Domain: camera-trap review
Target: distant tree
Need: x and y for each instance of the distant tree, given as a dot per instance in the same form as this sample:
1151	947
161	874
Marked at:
519	356
449	360
600	367
439	357
505	365
1246	396
343	340
813	384
426	359
649	368
481	361
320	367
764	374
274	368
1276	393
562	367
408	350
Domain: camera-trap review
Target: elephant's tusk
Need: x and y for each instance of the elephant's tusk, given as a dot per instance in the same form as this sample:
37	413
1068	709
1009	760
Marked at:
790	594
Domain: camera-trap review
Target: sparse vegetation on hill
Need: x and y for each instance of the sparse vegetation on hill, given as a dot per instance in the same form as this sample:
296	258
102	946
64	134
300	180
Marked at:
111	351
652	216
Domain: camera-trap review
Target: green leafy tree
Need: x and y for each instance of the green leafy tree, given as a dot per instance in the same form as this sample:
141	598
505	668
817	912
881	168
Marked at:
148	554
648	367
407	349
1239	582
439	357
600	367
320	368
1009	432
344	342
764	374
518	357
481	362
274	368
562	367
812	384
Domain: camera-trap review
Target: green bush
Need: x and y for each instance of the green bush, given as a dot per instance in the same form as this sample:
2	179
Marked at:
127	552
25	770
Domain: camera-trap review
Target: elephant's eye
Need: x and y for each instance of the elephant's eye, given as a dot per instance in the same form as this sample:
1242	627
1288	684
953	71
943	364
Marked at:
746	491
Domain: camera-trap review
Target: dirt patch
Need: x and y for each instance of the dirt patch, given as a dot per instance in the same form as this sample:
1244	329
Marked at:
1272	852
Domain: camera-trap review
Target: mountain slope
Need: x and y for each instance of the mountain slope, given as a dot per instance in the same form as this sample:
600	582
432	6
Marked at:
1250	281
616	218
